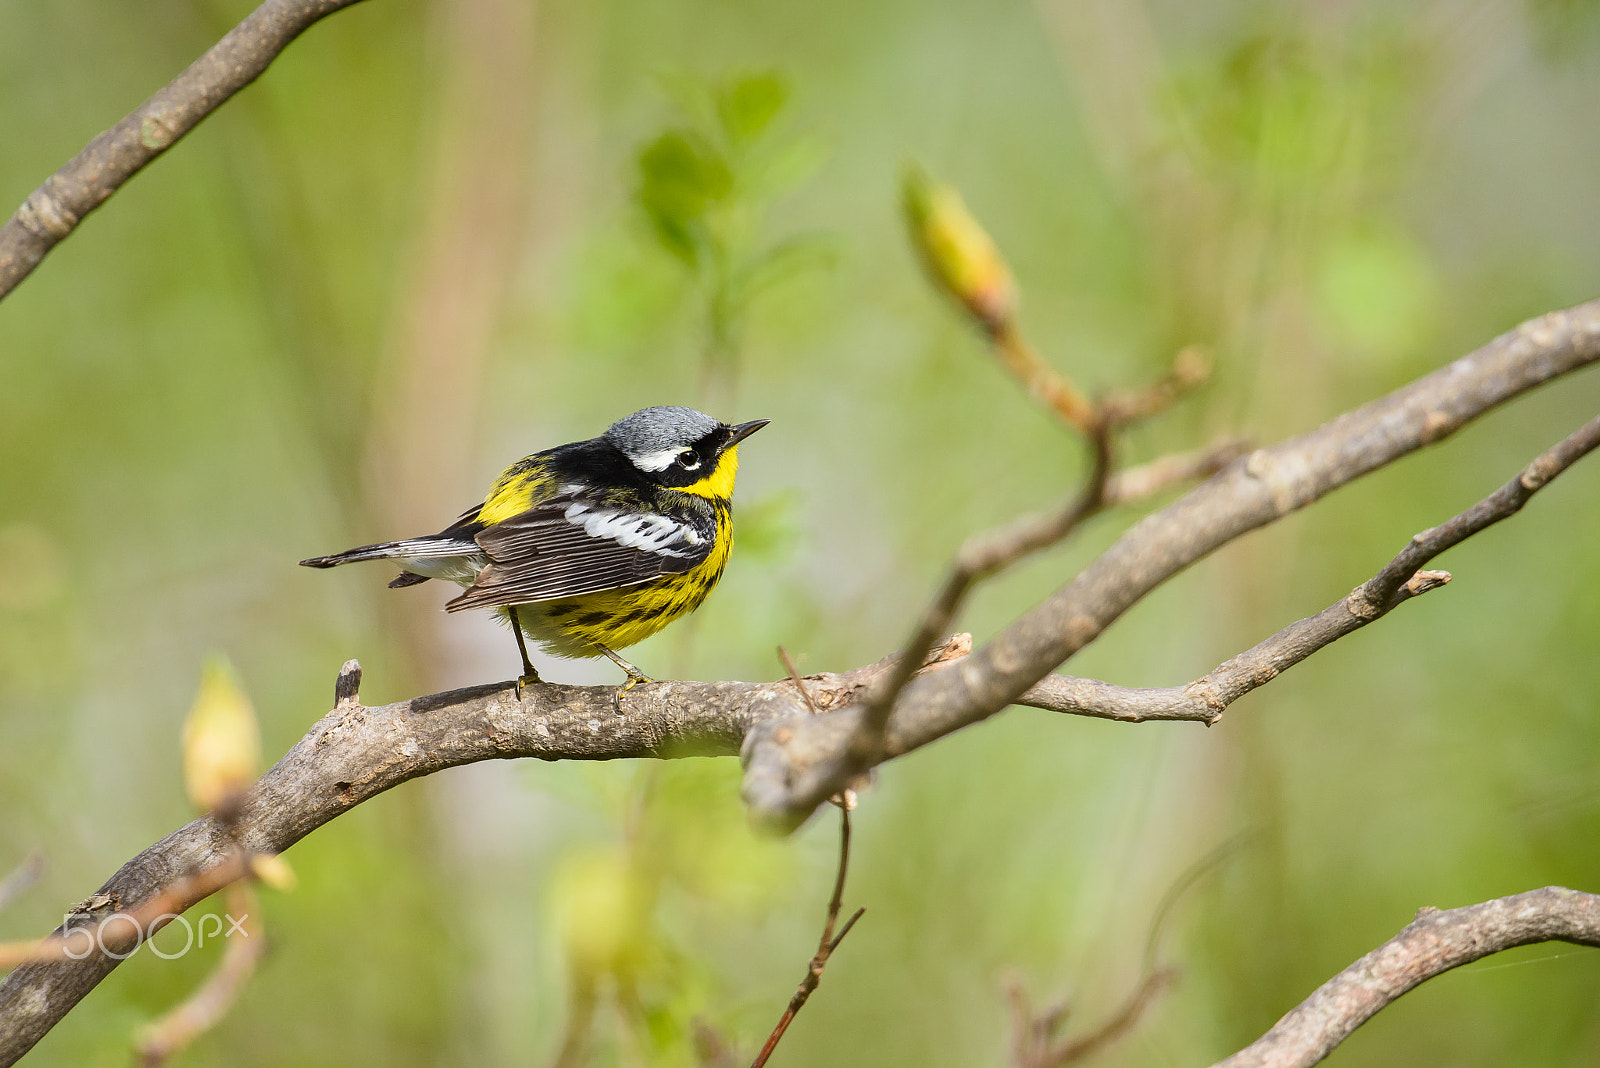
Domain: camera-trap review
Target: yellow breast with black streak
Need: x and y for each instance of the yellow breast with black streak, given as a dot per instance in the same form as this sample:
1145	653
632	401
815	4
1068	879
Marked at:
620	617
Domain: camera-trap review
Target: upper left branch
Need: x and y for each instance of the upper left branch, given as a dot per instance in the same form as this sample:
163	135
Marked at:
55	209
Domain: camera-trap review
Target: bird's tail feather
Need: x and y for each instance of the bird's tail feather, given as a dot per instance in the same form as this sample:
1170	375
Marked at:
388	550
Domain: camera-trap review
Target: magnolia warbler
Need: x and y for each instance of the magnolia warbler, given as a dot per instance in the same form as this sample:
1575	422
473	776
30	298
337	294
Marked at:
589	547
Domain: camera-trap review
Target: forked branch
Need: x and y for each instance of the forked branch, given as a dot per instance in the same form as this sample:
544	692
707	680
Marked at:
793	767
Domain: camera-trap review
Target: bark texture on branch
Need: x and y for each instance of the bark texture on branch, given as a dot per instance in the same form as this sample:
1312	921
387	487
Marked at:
1431	944
787	777
55	209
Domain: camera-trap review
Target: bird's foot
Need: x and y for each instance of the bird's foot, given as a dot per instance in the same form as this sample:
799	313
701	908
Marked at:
635	677
530	678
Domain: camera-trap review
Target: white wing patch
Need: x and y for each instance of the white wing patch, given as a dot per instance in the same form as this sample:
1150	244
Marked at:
647	533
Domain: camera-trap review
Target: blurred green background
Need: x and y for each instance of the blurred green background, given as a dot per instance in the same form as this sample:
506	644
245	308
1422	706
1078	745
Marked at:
436	237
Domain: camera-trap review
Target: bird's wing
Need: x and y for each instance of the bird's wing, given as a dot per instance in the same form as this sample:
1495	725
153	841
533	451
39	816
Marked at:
571	545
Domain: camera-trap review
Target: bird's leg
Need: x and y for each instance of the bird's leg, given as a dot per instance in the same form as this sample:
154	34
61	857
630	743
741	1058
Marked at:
529	675
635	676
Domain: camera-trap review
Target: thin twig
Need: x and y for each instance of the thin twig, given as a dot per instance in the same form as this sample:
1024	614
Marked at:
119	932
21	879
825	945
1204	699
980	557
213	998
794	677
1043	382
1430	945
1189	369
1187	880
711	1049
1151	985
54	210
1145	480
1035	1044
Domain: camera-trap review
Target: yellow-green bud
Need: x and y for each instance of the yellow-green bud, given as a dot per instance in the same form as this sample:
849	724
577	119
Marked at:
959	253
221	743
274	870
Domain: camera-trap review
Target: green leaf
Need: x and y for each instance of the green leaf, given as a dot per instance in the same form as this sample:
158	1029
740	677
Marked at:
680	176
746	105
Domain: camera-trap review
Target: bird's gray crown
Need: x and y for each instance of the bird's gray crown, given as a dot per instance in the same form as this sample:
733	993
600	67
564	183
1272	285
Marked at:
655	435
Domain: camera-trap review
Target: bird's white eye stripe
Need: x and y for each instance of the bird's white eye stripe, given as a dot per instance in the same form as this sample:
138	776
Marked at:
659	460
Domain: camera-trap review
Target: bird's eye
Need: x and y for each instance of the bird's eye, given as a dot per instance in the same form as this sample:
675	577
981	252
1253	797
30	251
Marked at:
688	459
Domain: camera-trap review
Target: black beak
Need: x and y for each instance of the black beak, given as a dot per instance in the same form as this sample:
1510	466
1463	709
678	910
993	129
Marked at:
738	433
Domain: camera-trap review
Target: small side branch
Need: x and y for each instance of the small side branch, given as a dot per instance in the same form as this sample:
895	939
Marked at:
54	210
980	557
100	930
1206	698
1189	369
825	945
1035	1042
207	1005
1148	479
1430	945
1044	383
794	677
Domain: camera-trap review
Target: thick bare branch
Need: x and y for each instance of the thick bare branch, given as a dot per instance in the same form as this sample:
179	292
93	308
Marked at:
1400	580
55	209
787	776
1430	945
